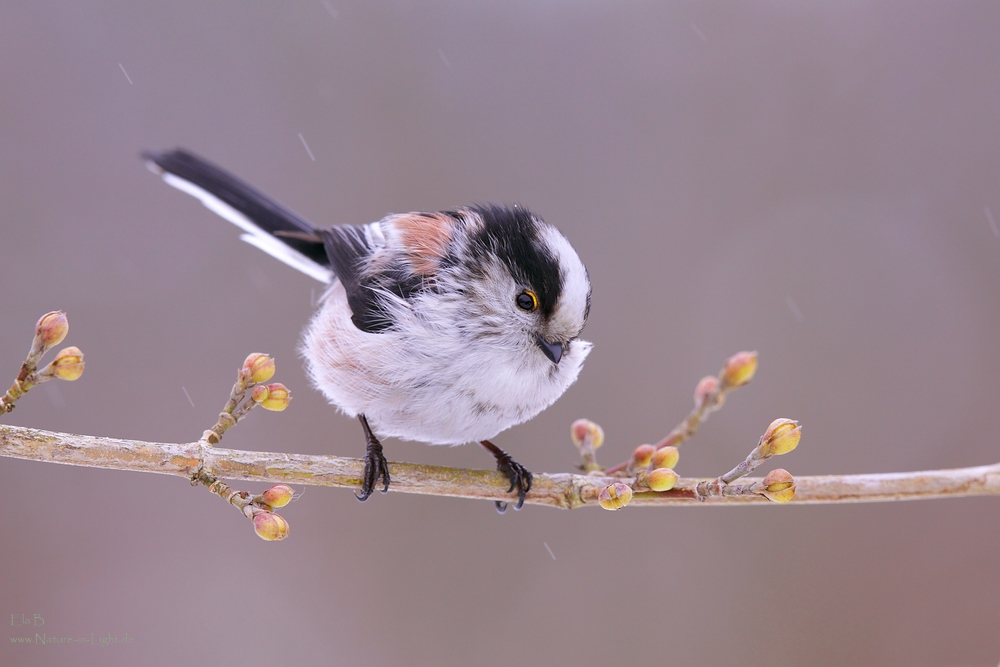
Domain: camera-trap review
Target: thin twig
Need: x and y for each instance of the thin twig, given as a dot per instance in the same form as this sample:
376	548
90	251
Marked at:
709	396
557	490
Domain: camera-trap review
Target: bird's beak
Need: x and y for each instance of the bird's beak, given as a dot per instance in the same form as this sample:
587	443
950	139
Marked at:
552	350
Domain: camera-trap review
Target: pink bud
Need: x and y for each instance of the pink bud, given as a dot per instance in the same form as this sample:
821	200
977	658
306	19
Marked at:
270	526
260	367
739	369
707	386
782	436
277	397
661	479
68	364
641	457
666	457
51	330
259	393
779	485
584	431
278	495
615	496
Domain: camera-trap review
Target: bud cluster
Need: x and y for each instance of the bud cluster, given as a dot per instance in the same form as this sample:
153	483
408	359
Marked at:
259	509
257	369
709	395
652	466
268	525
782	436
50	330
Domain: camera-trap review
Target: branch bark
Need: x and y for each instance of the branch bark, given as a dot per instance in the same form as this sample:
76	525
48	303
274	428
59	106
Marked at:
556	490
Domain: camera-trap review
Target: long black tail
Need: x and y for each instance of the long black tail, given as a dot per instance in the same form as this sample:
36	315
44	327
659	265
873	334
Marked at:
267	224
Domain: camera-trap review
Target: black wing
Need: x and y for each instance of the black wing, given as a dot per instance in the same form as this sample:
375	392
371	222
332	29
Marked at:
348	251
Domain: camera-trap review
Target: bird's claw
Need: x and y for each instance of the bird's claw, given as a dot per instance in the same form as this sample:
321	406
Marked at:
376	467
520	479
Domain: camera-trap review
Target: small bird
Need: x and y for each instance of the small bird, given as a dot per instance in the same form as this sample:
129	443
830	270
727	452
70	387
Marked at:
445	327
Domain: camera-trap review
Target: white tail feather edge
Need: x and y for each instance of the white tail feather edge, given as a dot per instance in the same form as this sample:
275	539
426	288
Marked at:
254	235
292	258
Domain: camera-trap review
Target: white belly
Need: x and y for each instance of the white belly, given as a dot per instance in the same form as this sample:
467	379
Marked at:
429	384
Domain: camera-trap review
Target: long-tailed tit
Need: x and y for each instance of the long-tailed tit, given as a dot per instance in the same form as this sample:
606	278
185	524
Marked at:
445	327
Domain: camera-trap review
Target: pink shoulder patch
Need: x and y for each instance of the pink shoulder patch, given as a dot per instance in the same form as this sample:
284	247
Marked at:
425	238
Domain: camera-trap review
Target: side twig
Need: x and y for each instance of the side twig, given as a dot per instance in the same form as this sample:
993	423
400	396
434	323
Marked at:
50	330
256	370
709	396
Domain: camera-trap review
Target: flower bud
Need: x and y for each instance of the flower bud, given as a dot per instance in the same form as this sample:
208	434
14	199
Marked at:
270	526
259	393
779	486
259	367
641	457
278	495
661	479
706	387
781	437
615	496
739	369
68	364
666	457
584	431
277	397
50	330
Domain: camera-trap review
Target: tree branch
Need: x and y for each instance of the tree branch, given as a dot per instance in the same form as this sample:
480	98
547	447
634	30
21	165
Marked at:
562	490
646	478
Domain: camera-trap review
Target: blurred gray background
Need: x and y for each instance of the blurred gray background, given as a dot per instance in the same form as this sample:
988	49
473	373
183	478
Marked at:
813	181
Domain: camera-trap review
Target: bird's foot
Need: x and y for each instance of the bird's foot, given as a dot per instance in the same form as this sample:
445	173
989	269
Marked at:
376	467
519	476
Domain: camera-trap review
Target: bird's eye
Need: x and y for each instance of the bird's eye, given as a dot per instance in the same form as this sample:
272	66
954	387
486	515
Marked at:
527	300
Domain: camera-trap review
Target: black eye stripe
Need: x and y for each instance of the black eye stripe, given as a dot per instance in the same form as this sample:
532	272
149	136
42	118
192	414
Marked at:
511	235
